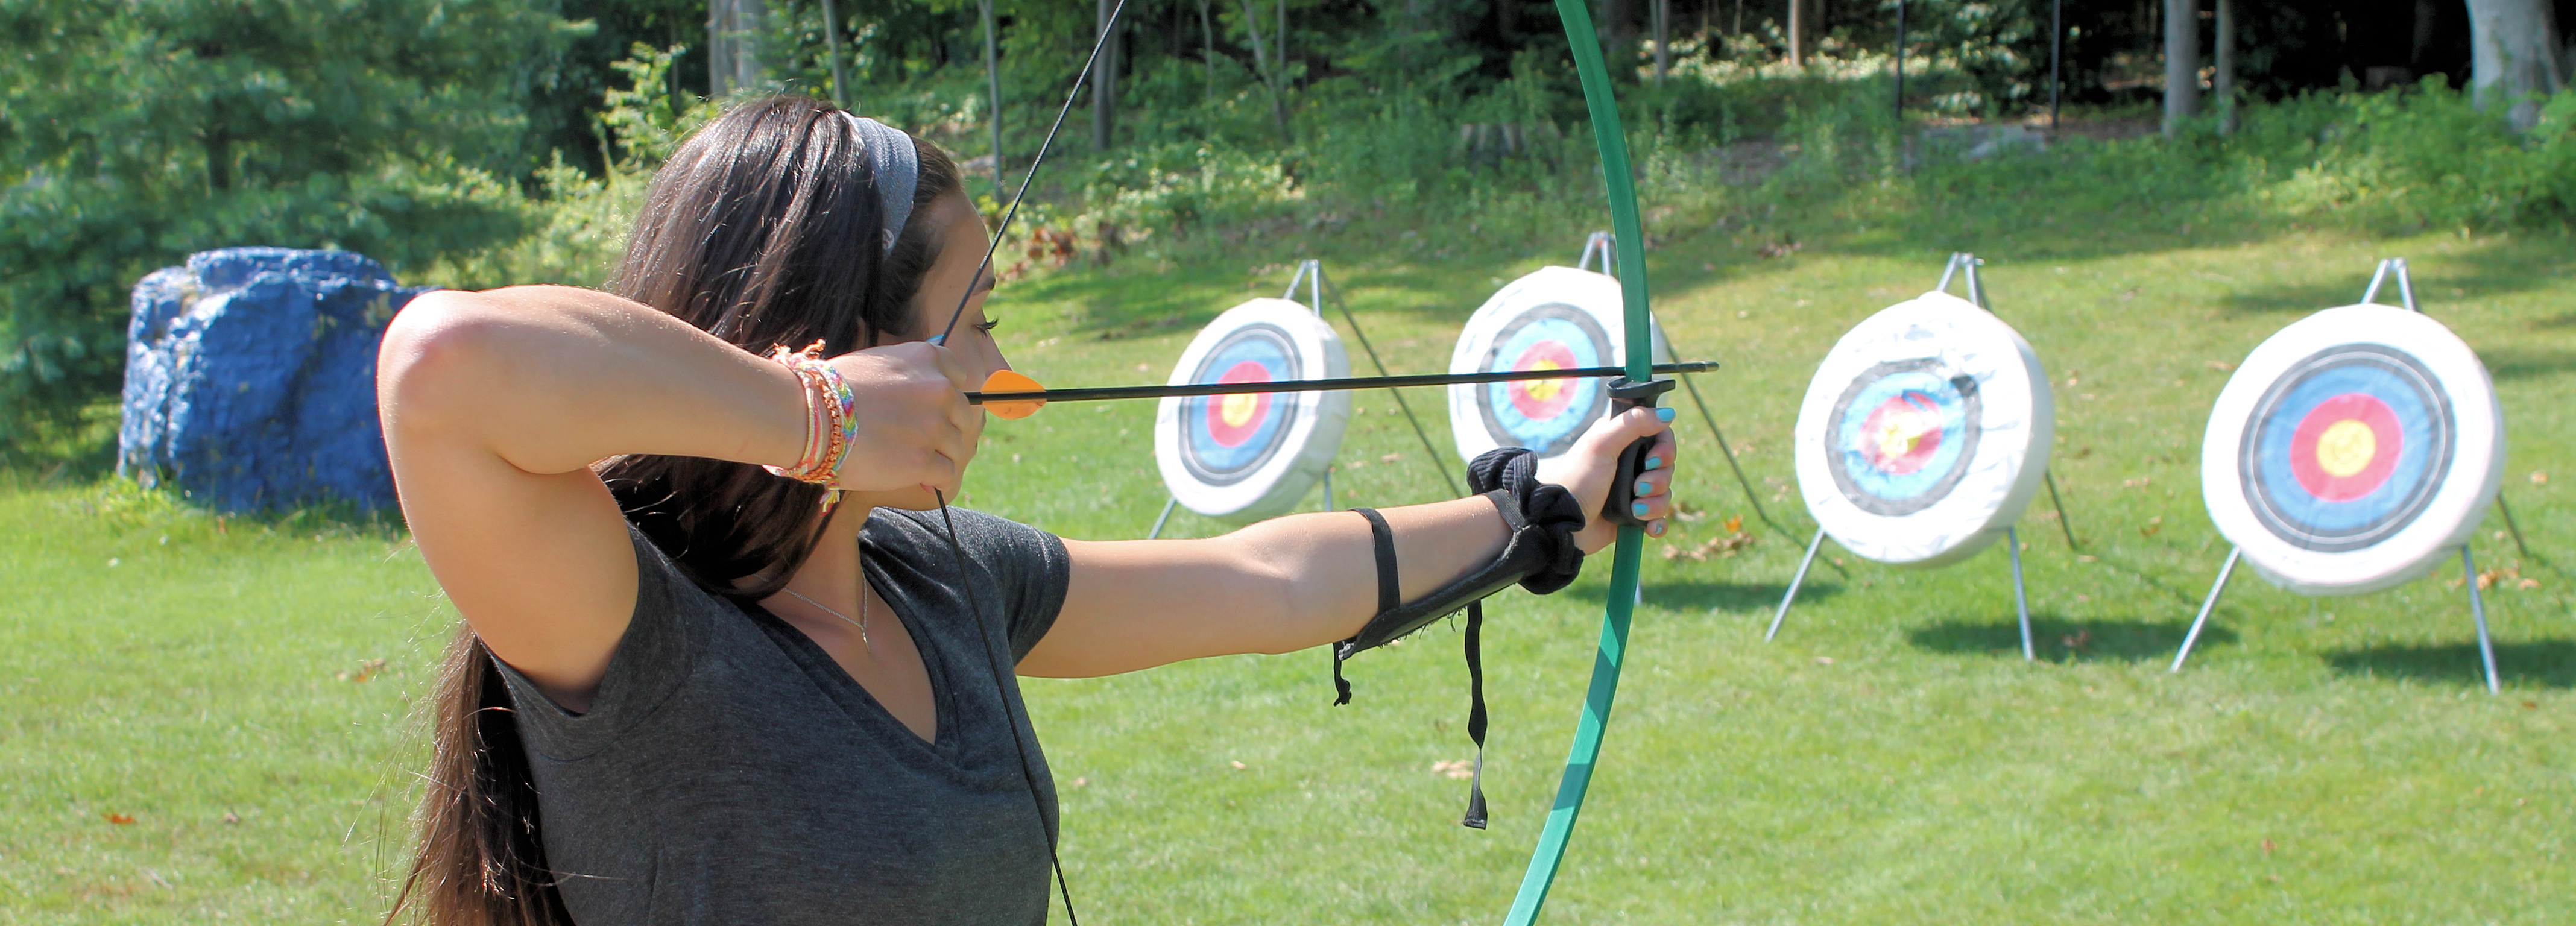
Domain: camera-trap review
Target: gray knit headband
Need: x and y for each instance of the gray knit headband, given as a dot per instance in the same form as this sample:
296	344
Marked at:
893	166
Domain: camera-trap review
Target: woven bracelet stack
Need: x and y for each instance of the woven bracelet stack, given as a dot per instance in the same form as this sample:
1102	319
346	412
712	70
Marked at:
830	423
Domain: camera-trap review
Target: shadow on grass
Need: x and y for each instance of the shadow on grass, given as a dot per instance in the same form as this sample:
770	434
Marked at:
1743	598
2513	363
2057	639
2541	663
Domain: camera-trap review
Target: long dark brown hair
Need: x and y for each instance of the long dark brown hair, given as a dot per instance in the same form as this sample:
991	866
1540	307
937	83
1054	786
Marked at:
764	229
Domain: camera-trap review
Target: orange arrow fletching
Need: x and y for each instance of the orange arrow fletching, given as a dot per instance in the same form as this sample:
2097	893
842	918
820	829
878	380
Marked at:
1012	381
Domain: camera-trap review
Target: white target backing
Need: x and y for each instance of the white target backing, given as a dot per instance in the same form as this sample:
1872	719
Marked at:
1924	433
2352	450
1553	318
1247	457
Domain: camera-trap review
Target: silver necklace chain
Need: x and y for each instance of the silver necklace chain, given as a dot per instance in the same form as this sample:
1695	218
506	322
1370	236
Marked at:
861	623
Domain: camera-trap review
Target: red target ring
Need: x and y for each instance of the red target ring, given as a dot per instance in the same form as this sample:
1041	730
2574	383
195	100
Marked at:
1543	399
2346	447
1233	419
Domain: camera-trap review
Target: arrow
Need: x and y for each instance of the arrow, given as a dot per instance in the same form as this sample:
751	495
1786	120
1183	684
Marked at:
1009	394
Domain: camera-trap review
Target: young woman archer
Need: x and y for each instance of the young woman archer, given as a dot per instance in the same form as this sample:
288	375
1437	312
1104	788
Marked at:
727	658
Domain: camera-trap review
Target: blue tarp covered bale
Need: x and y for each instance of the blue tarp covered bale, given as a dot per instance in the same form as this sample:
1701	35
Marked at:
250	379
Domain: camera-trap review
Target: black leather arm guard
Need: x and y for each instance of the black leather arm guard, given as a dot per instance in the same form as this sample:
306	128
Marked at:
1541	555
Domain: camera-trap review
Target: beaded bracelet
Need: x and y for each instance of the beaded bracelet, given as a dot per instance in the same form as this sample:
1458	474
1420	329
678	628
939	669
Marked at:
831	424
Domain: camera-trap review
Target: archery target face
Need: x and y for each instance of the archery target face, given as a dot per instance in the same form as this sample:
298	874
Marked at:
1924	433
1556	318
2352	450
1246	457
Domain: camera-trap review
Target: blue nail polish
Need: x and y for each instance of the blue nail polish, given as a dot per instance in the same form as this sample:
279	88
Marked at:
1664	415
1639	508
1654	463
1643	488
943	339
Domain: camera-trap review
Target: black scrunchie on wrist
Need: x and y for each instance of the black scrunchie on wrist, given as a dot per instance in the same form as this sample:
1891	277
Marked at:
1546	506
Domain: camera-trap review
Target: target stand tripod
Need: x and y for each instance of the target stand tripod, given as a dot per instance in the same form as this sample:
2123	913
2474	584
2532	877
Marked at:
1962	265
2282	392
1600	249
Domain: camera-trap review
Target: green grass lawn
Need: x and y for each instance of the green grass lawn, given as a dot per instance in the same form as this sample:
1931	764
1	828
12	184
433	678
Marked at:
1890	759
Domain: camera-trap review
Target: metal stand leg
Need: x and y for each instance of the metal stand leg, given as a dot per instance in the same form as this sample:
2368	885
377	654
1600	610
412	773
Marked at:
2206	605
2060	505
1328	489
2478	609
1711	420
2512	525
2021	594
1160	518
1324	290
1794	582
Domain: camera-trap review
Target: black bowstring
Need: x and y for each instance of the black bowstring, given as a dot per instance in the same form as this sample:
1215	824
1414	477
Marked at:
1028	772
1023	194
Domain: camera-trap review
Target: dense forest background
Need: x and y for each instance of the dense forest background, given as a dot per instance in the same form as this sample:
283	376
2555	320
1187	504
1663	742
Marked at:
477	142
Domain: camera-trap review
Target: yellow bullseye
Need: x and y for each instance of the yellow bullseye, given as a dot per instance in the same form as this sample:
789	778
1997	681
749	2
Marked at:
2346	448
1238	409
1900	433
1544	389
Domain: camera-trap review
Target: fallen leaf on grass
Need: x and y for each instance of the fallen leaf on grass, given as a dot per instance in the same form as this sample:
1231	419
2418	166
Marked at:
1824	660
2539	478
2154	524
2078	640
1720	547
1461	769
2221	365
230	818
1082	782
1390	458
2527	584
366	670
117	818
1238	766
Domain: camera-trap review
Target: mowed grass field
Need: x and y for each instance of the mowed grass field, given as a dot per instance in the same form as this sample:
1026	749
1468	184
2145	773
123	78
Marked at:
1890	759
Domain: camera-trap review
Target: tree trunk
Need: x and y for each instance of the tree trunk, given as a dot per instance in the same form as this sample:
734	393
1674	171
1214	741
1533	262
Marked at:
2182	63
1207	50
1663	38
2513	54
1269	68
1619	34
2222	82
832	48
734	28
993	78
1797	50
1104	82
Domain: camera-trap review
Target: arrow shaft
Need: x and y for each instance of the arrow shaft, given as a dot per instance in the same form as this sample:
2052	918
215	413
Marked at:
1321	385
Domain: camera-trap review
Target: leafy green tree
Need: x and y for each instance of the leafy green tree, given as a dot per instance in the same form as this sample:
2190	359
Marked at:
135	132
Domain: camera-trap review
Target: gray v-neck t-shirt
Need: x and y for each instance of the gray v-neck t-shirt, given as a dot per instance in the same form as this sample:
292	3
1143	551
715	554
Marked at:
728	771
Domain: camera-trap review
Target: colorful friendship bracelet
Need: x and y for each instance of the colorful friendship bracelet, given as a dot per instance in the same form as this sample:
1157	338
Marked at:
831	424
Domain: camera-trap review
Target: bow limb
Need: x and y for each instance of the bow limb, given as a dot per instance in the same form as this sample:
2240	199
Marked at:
1612	654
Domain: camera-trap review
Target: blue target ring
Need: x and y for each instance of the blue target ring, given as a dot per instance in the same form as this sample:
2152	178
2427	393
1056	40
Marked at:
1546	416
1902	434
2369	397
1226	438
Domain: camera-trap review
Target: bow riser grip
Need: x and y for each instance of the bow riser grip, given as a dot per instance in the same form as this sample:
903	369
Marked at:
1624	395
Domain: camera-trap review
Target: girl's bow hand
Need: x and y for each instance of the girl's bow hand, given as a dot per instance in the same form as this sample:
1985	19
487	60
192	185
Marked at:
1587	469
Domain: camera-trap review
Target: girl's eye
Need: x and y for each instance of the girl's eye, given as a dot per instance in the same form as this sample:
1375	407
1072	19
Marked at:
988	325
